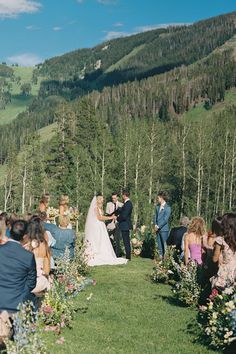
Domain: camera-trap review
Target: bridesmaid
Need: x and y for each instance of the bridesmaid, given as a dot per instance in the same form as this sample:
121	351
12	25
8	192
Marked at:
64	205
64	209
44	203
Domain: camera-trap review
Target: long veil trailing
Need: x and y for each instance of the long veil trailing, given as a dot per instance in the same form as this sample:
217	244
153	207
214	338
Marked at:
91	220
98	245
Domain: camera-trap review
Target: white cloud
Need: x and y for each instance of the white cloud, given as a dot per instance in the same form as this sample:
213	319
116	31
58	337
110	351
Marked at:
32	28
13	8
25	59
161	25
57	28
118	24
114	34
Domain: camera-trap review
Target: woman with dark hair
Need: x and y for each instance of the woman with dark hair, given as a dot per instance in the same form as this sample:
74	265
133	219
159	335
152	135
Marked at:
37	243
208	241
225	253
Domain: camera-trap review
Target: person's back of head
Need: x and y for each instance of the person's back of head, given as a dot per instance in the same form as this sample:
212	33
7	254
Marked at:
19	230
184	221
64	221
229	230
216	227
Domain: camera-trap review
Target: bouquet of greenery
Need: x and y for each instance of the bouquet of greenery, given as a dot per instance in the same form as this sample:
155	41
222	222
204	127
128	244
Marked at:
56	310
187	289
165	270
218	319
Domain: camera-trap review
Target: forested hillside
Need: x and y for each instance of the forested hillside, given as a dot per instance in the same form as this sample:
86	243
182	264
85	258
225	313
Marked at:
135	57
138	133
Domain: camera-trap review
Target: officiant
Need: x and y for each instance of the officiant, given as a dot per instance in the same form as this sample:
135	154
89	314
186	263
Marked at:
112	207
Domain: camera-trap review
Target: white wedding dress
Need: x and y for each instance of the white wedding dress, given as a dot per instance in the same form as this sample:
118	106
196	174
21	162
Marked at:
98	245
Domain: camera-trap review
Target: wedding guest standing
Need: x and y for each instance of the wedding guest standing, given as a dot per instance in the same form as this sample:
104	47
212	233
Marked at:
18	270
225	253
125	223
161	222
112	227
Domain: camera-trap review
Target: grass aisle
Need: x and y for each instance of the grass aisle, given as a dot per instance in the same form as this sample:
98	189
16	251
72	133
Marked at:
129	314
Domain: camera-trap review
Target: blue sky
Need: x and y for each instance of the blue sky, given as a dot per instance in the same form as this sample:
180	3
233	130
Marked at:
33	30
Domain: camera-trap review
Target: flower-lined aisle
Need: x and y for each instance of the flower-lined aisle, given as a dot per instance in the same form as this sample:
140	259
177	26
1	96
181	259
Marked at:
56	307
216	322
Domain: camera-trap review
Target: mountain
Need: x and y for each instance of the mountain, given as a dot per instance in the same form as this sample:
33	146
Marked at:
149	111
138	56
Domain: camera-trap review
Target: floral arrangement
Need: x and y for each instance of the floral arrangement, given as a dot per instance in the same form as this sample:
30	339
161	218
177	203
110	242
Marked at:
218	318
56	311
165	270
28	336
187	289
52	212
136	244
143	242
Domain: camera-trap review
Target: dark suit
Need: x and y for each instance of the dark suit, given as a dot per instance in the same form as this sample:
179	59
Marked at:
176	236
17	275
125	225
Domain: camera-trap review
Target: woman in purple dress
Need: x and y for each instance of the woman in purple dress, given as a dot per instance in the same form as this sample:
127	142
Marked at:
193	241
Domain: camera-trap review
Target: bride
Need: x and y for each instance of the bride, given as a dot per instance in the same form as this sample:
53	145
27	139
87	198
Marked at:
99	248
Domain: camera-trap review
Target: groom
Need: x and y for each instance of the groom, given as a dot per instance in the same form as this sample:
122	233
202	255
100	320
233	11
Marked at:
125	223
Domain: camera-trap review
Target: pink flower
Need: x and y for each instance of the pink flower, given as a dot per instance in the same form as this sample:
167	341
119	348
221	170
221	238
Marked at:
47	309
94	282
214	293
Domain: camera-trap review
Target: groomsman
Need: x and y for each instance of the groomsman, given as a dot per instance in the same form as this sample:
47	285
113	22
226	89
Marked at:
161	222
125	223
112	227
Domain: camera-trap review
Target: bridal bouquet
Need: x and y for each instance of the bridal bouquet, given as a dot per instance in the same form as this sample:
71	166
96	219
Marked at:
218	318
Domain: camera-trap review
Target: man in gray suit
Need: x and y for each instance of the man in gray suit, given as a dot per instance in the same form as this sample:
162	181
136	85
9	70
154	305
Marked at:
113	231
161	222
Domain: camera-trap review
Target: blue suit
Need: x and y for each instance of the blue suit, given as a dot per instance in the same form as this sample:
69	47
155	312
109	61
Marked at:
17	276
161	219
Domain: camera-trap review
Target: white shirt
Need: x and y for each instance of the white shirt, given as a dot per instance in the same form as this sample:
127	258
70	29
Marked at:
162	206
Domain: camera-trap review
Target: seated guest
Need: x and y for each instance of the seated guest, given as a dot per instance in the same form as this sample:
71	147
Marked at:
225	253
193	241
208	242
5	216
37	243
65	238
18	270
177	233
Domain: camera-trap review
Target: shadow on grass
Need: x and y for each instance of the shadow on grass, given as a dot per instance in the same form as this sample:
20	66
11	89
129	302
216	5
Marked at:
170	300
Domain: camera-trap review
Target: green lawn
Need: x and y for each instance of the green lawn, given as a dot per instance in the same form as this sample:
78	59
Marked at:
129	314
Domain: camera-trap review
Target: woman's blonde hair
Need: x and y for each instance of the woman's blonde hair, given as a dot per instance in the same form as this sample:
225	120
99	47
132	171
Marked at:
100	202
197	226
64	220
2	228
64	199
